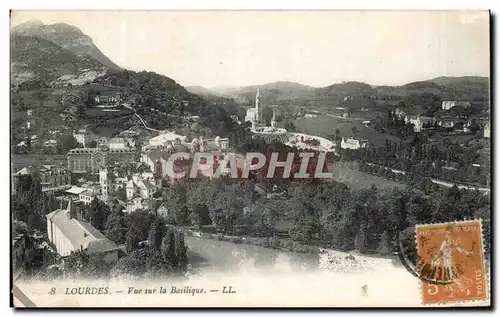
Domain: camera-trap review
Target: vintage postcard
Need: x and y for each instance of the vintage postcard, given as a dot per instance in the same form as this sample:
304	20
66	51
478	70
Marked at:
250	159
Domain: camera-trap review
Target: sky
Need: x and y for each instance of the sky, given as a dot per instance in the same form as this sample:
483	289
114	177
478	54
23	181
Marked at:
317	48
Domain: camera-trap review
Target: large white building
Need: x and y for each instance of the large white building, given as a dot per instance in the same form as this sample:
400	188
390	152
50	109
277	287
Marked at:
353	144
163	139
68	232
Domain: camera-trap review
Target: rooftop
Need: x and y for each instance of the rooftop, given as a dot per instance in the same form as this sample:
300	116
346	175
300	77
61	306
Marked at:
80	233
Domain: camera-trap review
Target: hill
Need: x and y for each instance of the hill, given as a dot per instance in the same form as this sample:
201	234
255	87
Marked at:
202	91
39	62
275	92
66	36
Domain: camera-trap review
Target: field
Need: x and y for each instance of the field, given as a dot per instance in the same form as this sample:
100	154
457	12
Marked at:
346	173
325	126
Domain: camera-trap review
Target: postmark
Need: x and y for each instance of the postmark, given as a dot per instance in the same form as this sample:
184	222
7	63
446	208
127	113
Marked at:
451	262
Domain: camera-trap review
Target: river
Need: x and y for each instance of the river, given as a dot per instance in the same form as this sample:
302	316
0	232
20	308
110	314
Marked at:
267	277
277	277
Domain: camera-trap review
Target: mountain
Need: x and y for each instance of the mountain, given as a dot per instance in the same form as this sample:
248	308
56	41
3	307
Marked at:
202	91
350	88
464	80
36	59
275	92
66	36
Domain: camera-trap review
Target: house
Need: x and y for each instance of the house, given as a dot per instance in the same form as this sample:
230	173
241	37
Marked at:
106	99
447	105
398	113
50	143
162	211
34	140
353	144
446	123
487	131
139	203
68	232
51	177
87	196
83	136
416	122
143	185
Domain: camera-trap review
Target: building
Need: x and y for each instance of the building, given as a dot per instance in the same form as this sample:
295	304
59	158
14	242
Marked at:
139	203
447	105
117	143
143	185
164	138
88	195
68	232
83	136
106	99
487	130
254	115
271	134
84	160
353	144
416	122
122	155
310	115
50	143
110	182
273	120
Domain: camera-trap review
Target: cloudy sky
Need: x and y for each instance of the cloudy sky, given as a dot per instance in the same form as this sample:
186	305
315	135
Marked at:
317	48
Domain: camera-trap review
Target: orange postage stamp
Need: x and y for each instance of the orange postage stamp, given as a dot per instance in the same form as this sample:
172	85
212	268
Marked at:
451	262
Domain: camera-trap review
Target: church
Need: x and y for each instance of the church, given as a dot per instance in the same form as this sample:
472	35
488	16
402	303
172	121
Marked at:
255	115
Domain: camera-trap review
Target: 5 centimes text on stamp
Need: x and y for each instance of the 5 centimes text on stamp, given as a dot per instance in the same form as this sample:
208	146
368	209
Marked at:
451	262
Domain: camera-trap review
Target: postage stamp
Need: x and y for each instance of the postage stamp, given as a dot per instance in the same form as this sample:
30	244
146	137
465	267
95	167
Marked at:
451	262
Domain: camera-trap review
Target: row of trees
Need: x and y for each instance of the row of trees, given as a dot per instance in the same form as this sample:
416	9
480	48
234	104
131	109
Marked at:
326	213
449	161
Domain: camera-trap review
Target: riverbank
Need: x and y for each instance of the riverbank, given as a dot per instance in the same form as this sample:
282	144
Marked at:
267	242
287	245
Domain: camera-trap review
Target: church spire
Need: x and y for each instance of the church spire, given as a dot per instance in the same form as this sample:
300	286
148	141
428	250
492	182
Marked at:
257	110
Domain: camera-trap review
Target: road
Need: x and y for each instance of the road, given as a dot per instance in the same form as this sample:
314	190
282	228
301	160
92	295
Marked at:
144	123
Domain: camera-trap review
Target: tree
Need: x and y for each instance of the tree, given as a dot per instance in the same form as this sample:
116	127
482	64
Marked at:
116	227
289	125
360	242
337	134
66	143
156	233
132	239
97	214
173	250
